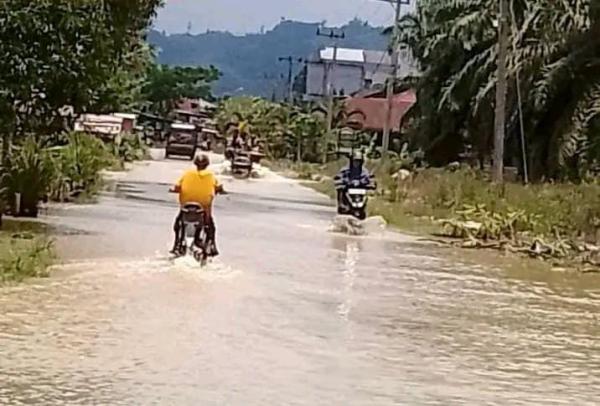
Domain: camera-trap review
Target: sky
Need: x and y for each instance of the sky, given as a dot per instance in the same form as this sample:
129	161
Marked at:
248	16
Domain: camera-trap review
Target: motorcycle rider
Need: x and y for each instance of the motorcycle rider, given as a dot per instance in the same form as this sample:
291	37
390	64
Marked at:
355	170
200	186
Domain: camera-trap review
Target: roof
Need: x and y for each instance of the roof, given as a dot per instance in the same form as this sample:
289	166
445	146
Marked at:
183	126
150	116
201	104
100	118
188	113
343	55
375	109
126	116
206	104
210	131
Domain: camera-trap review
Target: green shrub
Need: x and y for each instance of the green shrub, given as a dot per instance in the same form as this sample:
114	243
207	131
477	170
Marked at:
24	257
130	148
77	166
28	171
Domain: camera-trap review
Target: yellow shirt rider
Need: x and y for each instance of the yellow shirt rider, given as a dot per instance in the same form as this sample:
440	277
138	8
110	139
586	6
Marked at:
198	185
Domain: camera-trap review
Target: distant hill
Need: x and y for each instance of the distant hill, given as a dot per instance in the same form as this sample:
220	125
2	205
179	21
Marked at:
249	63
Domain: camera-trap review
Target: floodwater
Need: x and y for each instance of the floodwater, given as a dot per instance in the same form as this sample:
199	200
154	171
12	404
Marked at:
291	314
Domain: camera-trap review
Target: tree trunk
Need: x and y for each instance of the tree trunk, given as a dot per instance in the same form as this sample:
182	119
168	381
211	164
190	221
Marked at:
299	150
5	147
501	90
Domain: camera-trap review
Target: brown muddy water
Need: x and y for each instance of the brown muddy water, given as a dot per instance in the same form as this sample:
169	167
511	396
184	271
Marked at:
290	315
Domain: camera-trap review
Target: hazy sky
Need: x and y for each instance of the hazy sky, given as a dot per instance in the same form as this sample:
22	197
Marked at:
242	16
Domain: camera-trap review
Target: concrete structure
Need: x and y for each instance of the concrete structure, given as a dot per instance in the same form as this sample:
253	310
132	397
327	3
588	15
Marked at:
354	70
107	126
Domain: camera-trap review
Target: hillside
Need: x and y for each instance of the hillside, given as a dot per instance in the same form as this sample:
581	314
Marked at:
249	63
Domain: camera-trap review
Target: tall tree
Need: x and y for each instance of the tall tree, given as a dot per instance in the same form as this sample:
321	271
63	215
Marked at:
165	86
553	48
62	52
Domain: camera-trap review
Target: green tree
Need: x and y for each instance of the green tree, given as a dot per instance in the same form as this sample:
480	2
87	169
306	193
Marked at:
165	85
553	55
62	52
287	132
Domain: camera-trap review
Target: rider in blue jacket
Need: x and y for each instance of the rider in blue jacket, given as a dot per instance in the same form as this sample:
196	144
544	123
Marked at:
354	171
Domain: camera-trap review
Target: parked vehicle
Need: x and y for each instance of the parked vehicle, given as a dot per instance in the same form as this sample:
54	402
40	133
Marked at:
182	140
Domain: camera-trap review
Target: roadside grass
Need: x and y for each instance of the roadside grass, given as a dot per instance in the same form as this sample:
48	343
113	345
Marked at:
25	251
559	222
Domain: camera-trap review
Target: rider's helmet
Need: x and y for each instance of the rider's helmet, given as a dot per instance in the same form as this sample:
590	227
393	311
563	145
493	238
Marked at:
357	158
356	163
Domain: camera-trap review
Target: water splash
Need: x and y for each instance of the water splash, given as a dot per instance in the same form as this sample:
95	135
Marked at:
153	265
352	226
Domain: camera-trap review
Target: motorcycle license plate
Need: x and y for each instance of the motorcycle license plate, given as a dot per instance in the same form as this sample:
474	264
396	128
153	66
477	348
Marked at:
357	191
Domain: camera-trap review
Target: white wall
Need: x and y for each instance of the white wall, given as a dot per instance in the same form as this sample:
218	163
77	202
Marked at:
350	78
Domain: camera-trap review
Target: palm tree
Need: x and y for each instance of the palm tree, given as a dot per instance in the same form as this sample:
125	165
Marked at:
553	52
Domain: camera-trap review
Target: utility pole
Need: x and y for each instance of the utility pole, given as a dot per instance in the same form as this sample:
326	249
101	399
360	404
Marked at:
274	82
290	60
329	70
387	125
501	90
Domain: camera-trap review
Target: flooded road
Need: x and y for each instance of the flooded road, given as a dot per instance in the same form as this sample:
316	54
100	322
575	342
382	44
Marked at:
290	315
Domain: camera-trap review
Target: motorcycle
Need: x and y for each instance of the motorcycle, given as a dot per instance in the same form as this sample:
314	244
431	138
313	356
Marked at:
193	238
354	198
241	165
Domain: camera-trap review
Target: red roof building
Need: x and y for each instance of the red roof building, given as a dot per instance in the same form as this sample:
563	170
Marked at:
371	110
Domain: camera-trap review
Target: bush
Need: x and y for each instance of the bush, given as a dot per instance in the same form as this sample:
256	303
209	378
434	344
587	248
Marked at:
28	171
77	166
23	258
546	209
60	173
130	148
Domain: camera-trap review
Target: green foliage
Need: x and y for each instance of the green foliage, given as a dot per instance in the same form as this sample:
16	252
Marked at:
24	256
165	85
64	172
123	91
287	132
28	171
568	210
553	55
63	52
130	148
77	166
490	225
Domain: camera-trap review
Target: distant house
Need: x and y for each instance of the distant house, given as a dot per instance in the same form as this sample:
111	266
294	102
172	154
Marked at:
370	110
106	126
198	106
353	70
195	111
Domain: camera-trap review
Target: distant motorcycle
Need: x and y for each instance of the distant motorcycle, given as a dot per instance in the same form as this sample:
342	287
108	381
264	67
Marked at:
241	165
242	162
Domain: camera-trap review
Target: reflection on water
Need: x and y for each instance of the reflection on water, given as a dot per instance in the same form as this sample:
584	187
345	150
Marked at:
292	315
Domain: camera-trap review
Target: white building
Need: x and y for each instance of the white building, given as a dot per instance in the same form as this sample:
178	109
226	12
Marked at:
352	70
